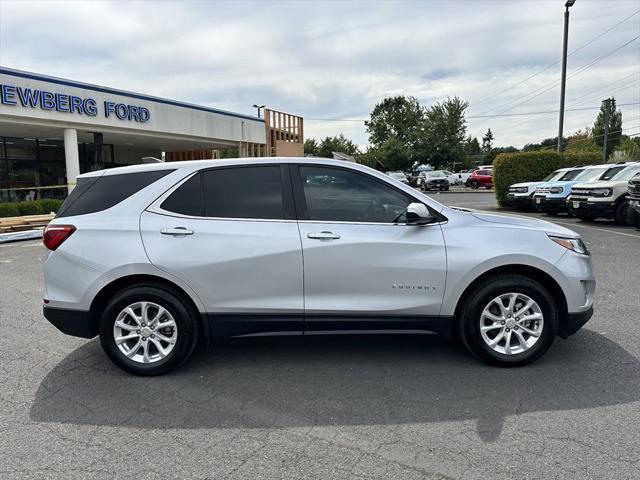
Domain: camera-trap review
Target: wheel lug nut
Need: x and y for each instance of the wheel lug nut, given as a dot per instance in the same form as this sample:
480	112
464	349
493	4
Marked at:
515	328
502	322
144	324
507	329
138	331
153	336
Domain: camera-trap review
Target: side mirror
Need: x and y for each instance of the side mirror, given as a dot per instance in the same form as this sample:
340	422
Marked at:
419	214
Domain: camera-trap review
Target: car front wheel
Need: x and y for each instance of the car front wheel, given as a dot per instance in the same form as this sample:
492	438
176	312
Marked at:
147	330
508	321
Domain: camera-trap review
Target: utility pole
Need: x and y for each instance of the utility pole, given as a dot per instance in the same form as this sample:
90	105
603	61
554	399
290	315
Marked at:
605	145
563	81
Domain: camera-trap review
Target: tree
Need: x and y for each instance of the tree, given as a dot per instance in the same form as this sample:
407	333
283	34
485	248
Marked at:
487	142
547	143
393	155
582	141
608	110
472	151
399	117
630	148
328	145
444	132
311	147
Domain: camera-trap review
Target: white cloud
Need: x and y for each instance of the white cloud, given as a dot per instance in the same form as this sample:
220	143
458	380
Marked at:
337	59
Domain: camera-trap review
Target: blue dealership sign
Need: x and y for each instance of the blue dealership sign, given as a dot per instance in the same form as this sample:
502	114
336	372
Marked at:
61	102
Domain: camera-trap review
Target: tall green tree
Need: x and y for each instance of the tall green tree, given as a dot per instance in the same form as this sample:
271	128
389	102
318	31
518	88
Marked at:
487	142
399	117
311	147
608	110
445	129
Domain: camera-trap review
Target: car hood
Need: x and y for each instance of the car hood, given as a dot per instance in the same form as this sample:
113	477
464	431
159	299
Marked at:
526	223
526	184
600	184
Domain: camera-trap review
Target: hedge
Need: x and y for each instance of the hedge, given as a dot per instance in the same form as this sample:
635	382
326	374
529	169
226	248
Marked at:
510	168
30	207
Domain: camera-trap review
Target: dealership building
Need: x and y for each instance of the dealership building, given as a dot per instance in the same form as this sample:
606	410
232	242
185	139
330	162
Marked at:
53	129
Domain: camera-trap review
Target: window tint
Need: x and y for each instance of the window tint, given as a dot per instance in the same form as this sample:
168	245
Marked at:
244	192
95	194
187	198
334	194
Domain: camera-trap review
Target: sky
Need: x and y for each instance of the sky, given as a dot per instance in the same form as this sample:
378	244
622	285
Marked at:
332	61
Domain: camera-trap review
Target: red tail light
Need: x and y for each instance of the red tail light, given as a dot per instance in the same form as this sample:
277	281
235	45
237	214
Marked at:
54	235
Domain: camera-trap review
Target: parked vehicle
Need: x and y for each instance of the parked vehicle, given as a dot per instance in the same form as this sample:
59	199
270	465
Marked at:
480	178
452	178
603	198
521	194
154	257
551	197
400	176
435	180
633	202
463	175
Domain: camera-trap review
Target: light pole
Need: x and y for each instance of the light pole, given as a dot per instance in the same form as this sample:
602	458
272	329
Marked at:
564	70
260	107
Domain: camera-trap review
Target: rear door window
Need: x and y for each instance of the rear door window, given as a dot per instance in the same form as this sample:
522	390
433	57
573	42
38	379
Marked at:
94	194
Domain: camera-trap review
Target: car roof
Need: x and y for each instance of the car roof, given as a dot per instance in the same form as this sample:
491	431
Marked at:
202	164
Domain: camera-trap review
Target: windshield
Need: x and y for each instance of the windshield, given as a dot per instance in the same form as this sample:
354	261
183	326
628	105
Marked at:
627	174
553	176
590	174
612	172
436	174
570	175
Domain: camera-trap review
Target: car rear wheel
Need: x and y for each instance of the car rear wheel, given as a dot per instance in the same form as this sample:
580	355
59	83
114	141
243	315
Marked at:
508	321
148	330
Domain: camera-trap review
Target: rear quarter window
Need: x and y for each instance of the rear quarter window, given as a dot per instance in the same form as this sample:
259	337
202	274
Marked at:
94	194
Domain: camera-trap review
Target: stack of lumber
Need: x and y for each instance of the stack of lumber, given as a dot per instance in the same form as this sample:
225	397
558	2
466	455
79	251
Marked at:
21	224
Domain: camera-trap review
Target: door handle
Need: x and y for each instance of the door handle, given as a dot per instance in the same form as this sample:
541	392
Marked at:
324	236
176	232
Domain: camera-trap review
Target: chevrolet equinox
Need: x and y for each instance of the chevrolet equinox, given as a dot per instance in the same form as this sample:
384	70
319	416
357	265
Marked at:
153	258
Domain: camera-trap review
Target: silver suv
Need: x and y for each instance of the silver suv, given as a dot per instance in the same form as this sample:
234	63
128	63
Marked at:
153	258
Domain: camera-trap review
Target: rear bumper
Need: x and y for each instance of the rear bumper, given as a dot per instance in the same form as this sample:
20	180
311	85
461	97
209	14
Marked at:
574	322
77	323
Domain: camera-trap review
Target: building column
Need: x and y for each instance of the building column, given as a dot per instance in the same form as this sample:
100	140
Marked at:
71	157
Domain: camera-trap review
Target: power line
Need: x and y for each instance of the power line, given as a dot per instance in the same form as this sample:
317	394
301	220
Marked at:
545	88
557	62
517	114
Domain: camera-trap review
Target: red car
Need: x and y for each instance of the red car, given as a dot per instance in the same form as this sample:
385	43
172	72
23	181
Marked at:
480	178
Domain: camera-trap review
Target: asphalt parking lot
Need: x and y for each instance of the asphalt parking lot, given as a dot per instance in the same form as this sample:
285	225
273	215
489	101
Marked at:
397	406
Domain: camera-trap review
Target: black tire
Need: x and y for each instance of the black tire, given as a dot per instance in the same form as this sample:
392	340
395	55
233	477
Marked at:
474	185
633	219
585	218
552	212
620	213
182	312
469	315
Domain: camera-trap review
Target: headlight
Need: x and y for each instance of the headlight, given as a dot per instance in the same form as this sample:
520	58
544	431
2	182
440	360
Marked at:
573	244
601	192
519	189
556	190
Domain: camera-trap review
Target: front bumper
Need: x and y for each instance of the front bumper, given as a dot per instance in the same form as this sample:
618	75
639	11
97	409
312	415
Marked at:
574	322
581	207
634	204
549	204
518	200
77	323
